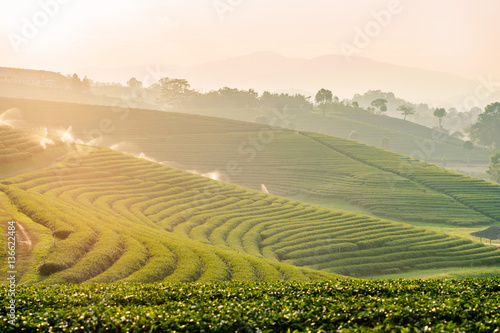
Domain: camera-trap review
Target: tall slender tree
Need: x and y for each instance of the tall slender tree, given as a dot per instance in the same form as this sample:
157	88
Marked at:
323	98
440	113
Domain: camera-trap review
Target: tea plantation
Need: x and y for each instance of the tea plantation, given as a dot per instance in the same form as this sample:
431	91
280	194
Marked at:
107	241
114	217
288	163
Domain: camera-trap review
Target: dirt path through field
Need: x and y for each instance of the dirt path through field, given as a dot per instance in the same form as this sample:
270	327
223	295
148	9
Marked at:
25	239
24	249
24	244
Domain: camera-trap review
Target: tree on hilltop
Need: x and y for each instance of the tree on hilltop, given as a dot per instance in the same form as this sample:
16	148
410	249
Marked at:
174	91
380	104
323	98
440	113
406	110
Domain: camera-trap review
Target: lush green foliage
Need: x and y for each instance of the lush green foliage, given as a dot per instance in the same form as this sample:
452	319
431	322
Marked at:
469	305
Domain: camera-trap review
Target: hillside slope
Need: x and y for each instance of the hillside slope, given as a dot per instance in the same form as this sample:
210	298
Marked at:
402	136
115	217
285	162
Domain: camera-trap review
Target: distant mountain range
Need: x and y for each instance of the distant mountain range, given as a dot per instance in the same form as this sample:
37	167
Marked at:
274	72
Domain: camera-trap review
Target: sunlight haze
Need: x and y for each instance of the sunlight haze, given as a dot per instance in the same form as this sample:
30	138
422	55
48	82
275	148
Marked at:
452	36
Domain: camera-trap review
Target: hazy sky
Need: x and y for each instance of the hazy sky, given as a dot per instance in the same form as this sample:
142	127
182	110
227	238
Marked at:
459	36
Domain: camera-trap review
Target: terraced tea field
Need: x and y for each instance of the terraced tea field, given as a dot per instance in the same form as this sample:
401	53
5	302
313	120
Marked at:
115	217
296	164
287	163
479	195
100	236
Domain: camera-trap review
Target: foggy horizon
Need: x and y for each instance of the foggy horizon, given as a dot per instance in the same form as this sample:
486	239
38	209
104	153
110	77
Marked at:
67	36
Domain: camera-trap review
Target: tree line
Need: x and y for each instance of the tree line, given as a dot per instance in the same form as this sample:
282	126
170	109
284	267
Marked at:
177	94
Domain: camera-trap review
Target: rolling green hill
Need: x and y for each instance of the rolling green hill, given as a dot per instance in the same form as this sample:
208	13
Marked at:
404	137
313	167
104	216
